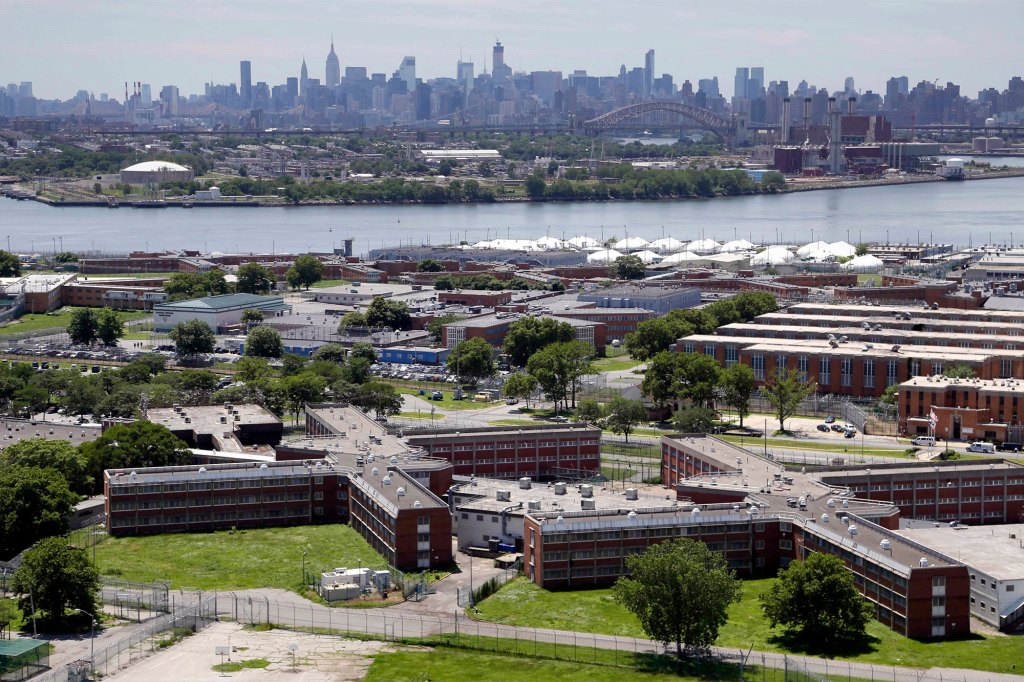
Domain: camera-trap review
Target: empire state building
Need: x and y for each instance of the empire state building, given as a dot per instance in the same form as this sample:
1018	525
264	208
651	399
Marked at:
333	73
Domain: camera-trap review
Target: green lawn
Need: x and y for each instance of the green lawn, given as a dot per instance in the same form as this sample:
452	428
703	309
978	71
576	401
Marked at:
515	422
324	283
446	664
616	364
419	415
235	560
521	602
59	319
238	666
616	473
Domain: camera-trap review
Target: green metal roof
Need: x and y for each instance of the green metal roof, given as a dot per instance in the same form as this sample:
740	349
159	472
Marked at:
16	647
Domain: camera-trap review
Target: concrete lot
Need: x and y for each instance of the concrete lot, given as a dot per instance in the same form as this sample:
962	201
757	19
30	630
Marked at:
318	658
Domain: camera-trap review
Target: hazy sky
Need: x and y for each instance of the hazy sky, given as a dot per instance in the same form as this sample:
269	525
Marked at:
66	45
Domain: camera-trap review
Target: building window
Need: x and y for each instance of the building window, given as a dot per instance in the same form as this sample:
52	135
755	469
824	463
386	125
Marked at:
824	372
757	364
1006	368
846	374
801	367
939	581
869	374
730	356
891	368
915	368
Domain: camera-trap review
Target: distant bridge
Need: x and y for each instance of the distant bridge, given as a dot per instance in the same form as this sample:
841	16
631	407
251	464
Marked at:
727	129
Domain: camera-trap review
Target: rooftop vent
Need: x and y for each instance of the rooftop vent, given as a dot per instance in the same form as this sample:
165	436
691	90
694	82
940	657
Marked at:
525	483
503	495
885	544
632	494
923	563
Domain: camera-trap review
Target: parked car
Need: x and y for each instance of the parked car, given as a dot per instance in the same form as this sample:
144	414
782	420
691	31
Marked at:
981	446
512	401
1009	447
437	395
823	427
849	434
838	428
830	419
561	419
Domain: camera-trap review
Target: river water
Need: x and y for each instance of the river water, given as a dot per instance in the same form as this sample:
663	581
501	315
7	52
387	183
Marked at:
951	212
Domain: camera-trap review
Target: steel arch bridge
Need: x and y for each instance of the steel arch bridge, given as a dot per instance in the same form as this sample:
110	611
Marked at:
707	120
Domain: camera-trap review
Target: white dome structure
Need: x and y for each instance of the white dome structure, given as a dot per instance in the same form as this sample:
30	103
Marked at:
632	244
582	241
736	245
865	263
682	257
155	172
811	247
550	243
703	246
648	256
842	250
773	255
604	256
666	245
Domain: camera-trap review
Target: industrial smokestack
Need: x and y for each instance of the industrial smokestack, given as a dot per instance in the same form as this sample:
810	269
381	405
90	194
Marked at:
785	120
851	106
807	115
831	105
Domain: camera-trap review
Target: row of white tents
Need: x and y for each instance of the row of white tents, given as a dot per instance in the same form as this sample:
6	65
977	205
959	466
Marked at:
821	252
628	245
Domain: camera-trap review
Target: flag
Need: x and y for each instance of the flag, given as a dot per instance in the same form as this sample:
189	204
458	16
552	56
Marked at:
932	419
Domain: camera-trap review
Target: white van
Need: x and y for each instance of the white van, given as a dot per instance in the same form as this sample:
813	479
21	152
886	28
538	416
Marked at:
926	441
981	447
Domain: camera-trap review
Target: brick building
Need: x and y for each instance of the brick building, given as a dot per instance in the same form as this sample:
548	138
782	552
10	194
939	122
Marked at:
493	328
487	299
946	407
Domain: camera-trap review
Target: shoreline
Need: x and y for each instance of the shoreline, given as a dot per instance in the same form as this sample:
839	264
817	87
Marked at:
790	189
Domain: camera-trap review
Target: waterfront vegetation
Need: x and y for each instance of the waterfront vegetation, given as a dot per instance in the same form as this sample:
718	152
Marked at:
235	559
522	603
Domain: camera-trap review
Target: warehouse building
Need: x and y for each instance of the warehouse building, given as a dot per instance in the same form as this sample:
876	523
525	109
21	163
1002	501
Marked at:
218	312
660	299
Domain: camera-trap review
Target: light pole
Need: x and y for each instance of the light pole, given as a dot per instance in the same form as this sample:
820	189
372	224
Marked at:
303	570
92	640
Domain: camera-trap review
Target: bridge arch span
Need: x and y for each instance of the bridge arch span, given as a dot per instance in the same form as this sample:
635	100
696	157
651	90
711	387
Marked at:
707	120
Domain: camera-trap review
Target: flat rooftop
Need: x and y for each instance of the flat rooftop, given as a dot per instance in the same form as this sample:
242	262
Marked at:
919	338
481	494
16	430
501	431
994	550
887	321
367	289
207	418
941	383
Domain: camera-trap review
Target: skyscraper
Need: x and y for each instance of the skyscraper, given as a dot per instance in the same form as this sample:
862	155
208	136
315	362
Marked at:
501	73
246	83
332	75
756	82
648	74
848	86
407	73
464	75
303	79
740	82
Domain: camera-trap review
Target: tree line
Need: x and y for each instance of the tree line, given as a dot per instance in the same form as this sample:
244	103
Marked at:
624	182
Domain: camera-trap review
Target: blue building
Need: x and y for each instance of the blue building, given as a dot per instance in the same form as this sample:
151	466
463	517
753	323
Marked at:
414	355
656	298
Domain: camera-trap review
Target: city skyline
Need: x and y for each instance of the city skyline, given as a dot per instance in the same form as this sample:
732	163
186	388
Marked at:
98	48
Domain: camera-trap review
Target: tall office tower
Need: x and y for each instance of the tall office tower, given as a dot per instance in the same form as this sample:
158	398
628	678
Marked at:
407	73
422	105
169	99
25	89
497	56
740	82
292	90
245	67
501	73
146	94
709	86
757	76
303	79
848	85
332	75
464	75
648	74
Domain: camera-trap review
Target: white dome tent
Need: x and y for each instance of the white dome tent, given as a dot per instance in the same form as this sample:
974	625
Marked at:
842	250
582	241
865	263
666	245
736	245
810	248
647	256
703	246
773	255
550	243
604	256
632	244
682	257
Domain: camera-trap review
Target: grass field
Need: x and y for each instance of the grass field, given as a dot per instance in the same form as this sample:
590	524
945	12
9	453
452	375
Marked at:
229	560
325	283
58	319
420	415
447	403
446	664
515	422
616	364
850	446
523	603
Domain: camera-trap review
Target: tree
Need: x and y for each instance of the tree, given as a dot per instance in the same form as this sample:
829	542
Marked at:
429	265
251	369
624	415
628	267
520	386
384	313
959	371
660	382
784	391
693	419
34	504
862	249
254	278
738	384
292	364
55	576
138	444
357	370
652	337
302	389
83	394
528	335
472	359
890	395
10	265
382	398
59	455
680	591
264	342
559	368
109	327
363	350
82	327
331	352
535	186
697	378
751	304
352	319
817	597
192	337
305	272
252	316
